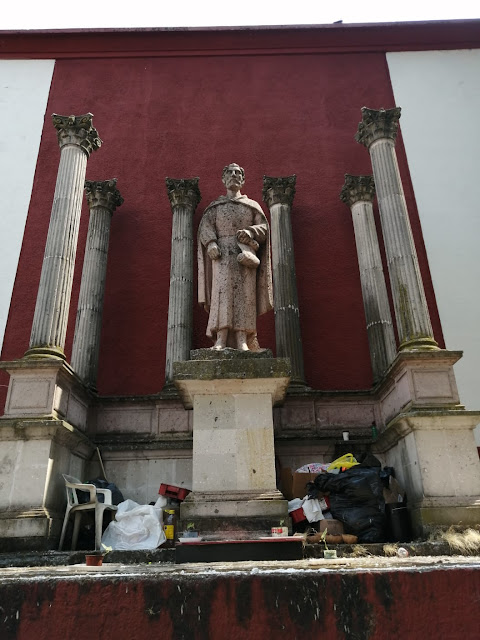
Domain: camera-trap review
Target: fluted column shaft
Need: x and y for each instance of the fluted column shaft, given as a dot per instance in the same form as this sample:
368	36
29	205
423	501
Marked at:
77	138
358	192
278	193
103	198
377	132
184	196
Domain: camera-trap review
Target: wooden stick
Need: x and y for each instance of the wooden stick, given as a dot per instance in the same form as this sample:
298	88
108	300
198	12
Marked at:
101	464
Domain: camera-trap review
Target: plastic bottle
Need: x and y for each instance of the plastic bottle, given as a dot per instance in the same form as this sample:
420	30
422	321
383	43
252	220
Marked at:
169	527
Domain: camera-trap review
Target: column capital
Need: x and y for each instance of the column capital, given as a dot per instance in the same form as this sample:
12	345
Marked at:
183	191
376	124
357	189
103	194
77	130
279	190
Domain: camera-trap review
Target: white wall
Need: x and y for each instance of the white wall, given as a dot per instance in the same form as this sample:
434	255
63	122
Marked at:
439	92
24	88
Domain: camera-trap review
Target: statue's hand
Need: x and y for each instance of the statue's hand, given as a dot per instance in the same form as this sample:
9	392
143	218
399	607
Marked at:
244	236
213	251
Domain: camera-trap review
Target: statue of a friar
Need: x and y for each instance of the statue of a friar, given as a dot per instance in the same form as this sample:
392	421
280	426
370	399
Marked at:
234	269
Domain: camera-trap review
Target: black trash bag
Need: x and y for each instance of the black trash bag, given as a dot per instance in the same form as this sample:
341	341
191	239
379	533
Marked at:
117	497
385	475
356	499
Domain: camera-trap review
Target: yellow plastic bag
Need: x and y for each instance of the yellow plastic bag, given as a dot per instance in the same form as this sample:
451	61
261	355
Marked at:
344	462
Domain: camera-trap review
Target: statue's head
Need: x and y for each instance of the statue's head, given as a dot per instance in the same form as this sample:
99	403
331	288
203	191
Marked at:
233	176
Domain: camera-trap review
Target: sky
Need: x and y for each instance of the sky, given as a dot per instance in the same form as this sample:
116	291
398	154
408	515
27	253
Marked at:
55	14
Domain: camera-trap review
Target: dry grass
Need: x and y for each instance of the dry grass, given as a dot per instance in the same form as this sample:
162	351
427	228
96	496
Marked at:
359	551
390	549
465	542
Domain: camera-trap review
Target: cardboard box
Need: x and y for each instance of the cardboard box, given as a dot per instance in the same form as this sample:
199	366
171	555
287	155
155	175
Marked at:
334	527
293	484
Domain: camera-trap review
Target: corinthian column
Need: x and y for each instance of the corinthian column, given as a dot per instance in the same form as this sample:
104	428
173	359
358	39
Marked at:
378	132
77	139
278	193
103	198
358	192
184	196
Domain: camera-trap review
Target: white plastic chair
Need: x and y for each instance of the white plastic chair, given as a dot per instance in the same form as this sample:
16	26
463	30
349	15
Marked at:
72	485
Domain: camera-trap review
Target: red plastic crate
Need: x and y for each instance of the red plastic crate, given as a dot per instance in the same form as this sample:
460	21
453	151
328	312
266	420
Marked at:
171	491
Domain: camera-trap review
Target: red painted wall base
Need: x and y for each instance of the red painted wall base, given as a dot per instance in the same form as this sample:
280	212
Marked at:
361	605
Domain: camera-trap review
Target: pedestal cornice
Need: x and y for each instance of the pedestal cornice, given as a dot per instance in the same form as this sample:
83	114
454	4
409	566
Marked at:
252	375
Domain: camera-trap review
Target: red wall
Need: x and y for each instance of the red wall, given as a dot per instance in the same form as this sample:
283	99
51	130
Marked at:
354	605
189	116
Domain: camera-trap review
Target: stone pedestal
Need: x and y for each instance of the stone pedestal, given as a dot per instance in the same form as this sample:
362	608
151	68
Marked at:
41	437
232	394
436	460
428	439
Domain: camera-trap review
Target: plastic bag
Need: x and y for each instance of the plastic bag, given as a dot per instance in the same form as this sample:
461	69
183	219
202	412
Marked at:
136	526
356	499
313	467
344	462
312	510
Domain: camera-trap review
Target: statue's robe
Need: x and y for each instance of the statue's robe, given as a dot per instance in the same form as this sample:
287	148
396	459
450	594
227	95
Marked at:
232	294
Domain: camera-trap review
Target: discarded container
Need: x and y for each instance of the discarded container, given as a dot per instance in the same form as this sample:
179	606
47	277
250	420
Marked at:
169	527
171	491
94	560
399	526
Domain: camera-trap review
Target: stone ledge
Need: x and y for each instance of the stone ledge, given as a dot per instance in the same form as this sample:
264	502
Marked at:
229	354
232	369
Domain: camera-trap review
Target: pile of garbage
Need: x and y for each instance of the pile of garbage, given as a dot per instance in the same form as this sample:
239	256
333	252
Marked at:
348	497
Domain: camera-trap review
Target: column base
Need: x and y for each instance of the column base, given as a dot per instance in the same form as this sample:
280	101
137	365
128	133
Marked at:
419	344
45	352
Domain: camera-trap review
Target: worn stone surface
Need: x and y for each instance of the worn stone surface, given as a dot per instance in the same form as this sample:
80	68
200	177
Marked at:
377	132
77	138
240	369
229	354
184	196
234	272
358	192
278	193
103	198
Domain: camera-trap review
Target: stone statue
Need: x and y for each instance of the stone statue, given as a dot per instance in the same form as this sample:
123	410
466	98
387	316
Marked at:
234	270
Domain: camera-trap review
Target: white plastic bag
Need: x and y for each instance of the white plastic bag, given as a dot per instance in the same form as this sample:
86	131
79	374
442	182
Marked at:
136	526
312	510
